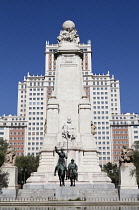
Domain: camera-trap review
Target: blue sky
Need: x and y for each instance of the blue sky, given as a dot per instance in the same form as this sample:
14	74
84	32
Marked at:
111	25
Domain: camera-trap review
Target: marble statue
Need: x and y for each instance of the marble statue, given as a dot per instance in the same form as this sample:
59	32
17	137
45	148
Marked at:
69	33
10	156
126	155
68	130
93	127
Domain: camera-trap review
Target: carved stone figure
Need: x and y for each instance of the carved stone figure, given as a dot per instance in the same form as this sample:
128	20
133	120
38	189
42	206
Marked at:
68	130
126	155
45	127
69	33
10	156
93	127
61	160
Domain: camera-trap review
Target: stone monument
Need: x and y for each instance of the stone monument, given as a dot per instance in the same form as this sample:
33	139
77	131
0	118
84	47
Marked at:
12	171
127	177
69	120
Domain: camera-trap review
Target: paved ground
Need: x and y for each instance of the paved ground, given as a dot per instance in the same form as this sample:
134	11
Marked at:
69	203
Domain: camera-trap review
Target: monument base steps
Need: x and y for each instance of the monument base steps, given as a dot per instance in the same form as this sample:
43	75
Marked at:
86	192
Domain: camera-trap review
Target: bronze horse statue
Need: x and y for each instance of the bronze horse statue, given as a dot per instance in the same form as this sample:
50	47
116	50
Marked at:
61	173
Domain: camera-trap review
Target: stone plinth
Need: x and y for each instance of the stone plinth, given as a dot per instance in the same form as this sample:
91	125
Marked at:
128	187
128	176
11	190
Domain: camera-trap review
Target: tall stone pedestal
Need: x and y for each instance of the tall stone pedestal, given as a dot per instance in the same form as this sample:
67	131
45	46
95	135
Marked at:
69	101
128	187
11	190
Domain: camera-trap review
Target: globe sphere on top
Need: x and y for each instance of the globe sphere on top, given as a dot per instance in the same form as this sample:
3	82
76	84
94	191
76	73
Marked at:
68	25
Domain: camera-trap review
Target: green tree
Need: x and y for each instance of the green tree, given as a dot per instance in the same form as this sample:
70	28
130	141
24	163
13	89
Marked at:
3	179
26	165
3	148
112	171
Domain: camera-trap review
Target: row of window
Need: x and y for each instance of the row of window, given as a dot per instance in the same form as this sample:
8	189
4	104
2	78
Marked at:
100	83
12	124
104	158
120	137
117	158
17	143
35	113
100	88
36	83
120	147
100	102
120	142
103	123
34	148
34	143
16	138
35	128
104	153
18	148
16	133
34	94
102	112
35	107
35	103
37	89
37	123
103	137
35	133
100	93
119	127
121	123
103	142
104	148
36	99
102	132
103	117
100	78
117	153
35	118
119	132
102	128
36	138
100	107
100	98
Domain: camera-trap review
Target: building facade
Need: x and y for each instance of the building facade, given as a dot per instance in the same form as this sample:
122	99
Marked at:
103	92
124	131
14	129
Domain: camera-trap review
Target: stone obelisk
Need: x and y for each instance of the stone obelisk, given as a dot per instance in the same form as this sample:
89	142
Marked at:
69	103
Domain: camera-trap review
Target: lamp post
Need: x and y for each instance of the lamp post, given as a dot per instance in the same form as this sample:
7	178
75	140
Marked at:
24	173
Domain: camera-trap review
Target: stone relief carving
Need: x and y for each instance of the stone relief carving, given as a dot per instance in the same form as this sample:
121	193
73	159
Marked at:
69	33
68	131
